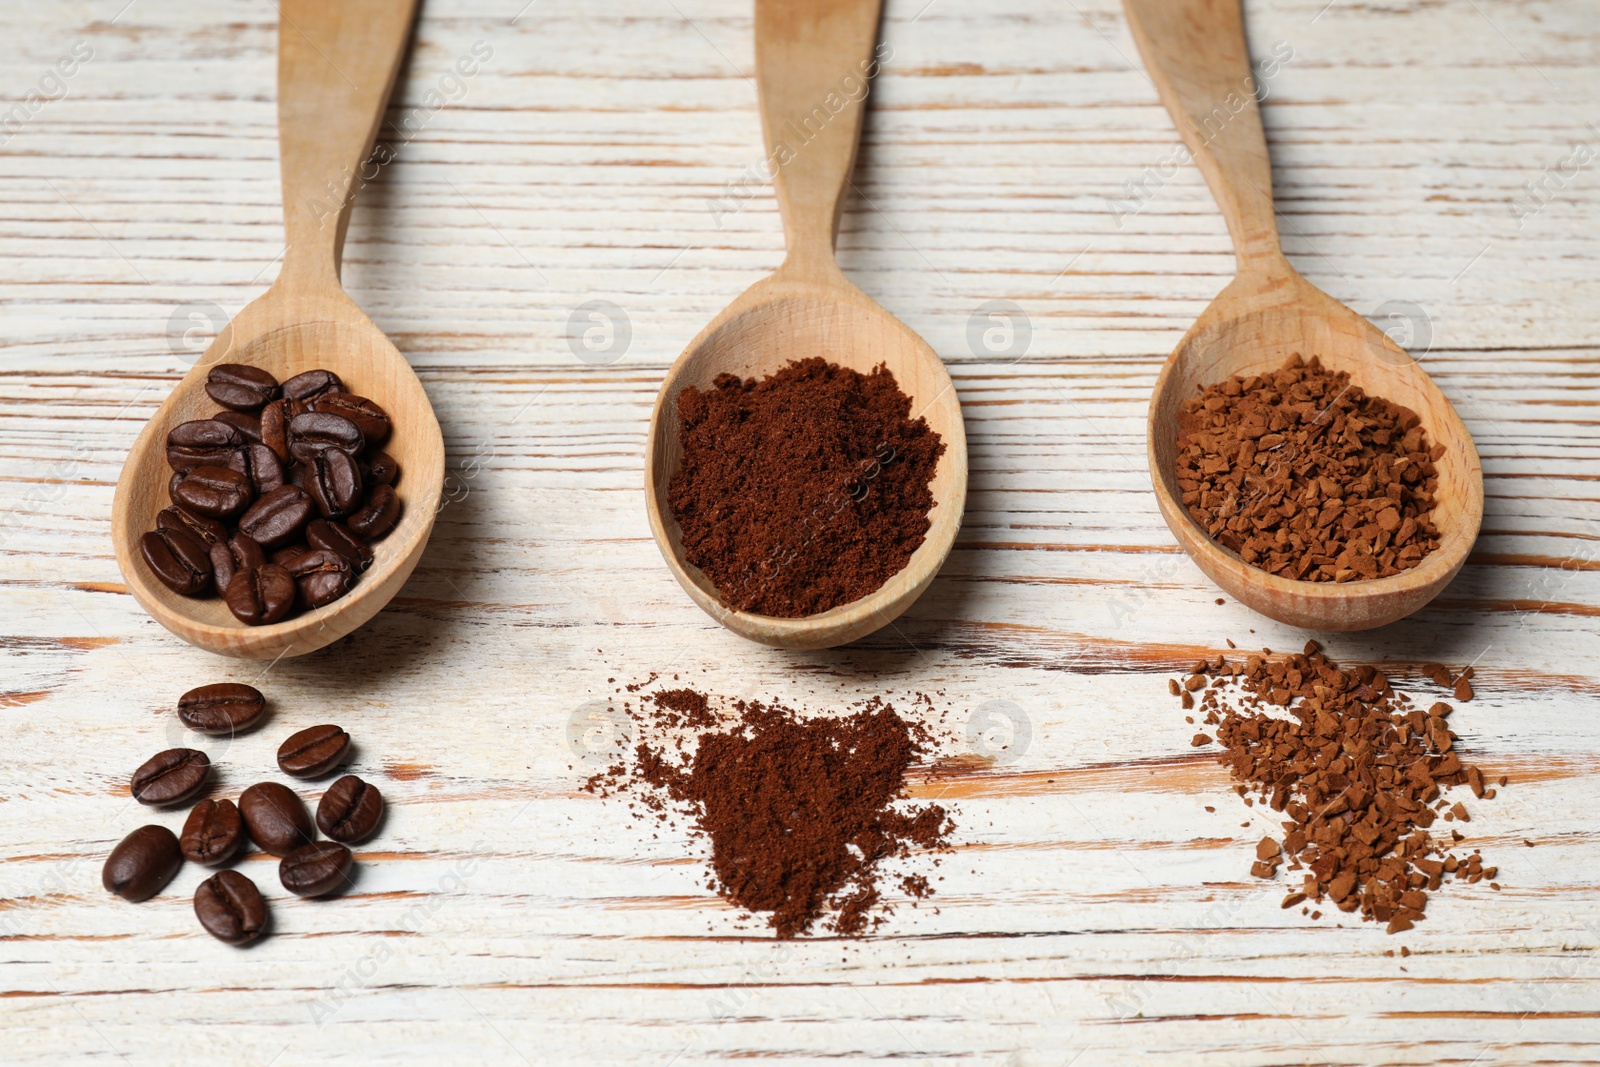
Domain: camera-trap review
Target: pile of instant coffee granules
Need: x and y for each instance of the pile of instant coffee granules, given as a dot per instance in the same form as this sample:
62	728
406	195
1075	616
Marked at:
1357	768
801	812
803	491
1305	476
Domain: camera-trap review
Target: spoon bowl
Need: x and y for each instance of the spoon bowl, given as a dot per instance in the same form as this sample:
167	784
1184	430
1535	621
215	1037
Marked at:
337	337
813	65
336	67
1196	55
1254	328
774	322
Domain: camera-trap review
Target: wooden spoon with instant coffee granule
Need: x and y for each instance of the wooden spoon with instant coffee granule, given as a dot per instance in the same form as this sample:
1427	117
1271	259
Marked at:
800	812
1196	54
1306	476
1358	770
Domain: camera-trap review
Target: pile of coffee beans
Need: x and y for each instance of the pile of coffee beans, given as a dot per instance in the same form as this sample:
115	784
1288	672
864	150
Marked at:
270	814
276	500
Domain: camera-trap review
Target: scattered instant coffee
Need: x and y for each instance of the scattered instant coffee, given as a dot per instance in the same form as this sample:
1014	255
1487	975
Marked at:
1358	769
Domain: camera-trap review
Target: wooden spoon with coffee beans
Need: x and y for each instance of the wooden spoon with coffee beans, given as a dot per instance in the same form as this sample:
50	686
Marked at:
813	61
337	63
1196	54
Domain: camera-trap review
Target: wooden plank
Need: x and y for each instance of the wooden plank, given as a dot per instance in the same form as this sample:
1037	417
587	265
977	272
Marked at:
1093	910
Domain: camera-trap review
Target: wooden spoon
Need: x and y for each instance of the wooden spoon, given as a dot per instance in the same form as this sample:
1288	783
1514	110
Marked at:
1195	52
812	65
336	66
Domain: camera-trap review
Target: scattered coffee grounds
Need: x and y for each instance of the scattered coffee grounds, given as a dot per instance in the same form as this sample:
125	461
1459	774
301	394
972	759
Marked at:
1306	476
275	500
805	490
801	812
1358	769
268	814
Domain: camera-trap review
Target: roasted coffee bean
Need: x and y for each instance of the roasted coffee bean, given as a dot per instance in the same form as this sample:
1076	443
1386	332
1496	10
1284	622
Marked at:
179	559
278	517
247	424
370	419
171	777
334	483
275	419
315	431
261	596
276	819
350	810
260	466
308	385
315	870
212	834
142	863
336	537
222	709
374	519
207	531
321	576
202	443
219	492
230	908
240	387
313	751
380	468
240	553
288	553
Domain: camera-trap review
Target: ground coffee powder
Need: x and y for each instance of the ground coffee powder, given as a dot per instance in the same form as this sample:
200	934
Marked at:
801	812
1357	768
1306	476
805	490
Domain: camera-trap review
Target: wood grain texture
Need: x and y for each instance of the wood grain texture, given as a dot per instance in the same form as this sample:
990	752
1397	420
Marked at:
1095	912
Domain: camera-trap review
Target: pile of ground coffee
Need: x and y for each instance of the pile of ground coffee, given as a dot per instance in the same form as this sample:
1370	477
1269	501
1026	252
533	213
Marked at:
1305	476
1357	768
801	812
805	490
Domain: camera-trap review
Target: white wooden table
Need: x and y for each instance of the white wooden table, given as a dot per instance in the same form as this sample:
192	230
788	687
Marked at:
1094	912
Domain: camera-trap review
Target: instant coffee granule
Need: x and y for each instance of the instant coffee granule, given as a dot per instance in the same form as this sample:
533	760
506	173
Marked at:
1358	769
805	490
1306	476
801	812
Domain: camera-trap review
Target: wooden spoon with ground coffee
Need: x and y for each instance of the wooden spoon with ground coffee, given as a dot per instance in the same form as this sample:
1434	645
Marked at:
1195	52
813	63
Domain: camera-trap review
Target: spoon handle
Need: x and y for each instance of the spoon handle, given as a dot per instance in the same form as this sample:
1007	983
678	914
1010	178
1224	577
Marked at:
1196	55
814	60
337	61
